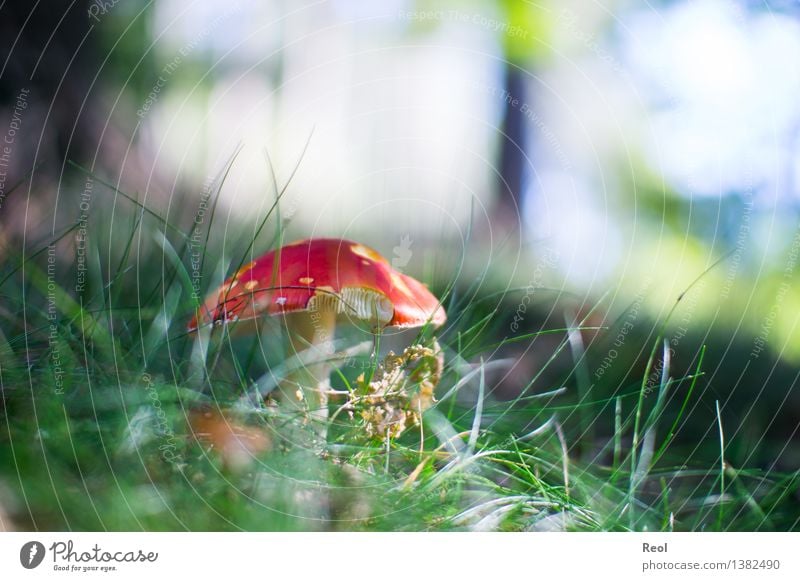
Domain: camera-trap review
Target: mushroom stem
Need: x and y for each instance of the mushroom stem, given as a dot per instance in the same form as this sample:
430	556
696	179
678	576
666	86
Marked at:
306	388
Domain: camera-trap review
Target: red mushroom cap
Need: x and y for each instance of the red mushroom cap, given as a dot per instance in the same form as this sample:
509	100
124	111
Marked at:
323	274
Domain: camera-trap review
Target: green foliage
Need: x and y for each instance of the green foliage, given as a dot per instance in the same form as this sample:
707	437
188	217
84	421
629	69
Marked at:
100	387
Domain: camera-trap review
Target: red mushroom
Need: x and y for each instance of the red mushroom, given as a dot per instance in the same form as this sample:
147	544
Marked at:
314	283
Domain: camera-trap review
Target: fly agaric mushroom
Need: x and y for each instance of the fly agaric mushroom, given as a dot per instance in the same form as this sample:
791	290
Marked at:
314	284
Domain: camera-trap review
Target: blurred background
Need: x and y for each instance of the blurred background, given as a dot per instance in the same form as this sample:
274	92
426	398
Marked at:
553	160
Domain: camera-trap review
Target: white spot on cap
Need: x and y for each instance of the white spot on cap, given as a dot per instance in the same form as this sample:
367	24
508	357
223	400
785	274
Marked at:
281	301
365	252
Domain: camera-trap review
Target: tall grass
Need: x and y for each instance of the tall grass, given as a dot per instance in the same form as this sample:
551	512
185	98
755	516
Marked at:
100	388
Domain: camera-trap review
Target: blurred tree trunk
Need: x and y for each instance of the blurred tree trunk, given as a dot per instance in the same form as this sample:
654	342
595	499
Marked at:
513	145
525	31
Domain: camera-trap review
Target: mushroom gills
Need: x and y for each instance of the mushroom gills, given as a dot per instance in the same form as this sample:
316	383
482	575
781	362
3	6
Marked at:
362	303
